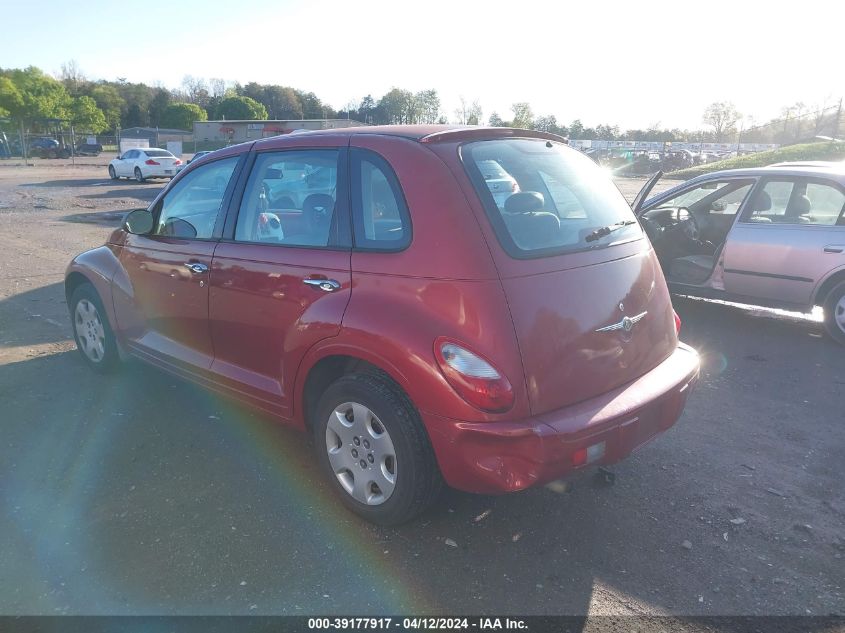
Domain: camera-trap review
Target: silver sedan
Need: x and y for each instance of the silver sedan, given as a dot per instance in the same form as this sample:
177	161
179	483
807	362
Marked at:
771	236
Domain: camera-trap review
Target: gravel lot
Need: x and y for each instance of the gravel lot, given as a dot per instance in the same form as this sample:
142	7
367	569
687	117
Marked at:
139	494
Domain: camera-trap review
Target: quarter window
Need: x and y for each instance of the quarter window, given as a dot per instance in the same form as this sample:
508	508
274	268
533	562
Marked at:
379	213
190	209
290	199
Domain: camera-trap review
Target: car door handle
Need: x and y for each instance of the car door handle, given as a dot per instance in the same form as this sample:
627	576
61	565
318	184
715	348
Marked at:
834	248
326	285
196	268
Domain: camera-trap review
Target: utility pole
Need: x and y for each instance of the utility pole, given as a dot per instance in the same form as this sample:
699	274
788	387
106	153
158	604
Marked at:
836	121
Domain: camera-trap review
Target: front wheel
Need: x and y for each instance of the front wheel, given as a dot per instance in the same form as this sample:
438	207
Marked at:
94	337
834	313
372	445
138	175
112	172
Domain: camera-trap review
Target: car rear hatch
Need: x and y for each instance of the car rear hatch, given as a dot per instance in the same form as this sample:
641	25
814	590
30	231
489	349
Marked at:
586	293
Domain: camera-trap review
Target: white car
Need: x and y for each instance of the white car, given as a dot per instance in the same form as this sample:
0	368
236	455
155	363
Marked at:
143	163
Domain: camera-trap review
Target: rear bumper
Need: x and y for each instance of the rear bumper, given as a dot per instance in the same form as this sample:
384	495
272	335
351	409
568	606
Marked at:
501	457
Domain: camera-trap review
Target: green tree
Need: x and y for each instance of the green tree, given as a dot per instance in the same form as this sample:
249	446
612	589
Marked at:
426	107
241	108
496	121
41	96
281	102
158	106
86	116
181	116
11	100
396	107
523	117
108	99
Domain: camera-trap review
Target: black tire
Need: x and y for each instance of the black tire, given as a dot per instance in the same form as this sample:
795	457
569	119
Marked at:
138	175
834	313
109	360
418	481
112	172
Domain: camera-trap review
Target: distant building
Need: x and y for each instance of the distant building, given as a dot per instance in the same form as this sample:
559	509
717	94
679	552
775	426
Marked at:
157	137
240	131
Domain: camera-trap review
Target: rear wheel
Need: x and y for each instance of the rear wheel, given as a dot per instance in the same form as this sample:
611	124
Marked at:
112	172
94	337
834	313
138	175
372	445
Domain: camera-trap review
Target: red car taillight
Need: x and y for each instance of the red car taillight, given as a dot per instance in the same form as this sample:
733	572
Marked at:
177	162
150	161
677	322
475	379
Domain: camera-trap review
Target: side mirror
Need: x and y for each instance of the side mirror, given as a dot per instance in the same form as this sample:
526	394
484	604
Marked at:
138	222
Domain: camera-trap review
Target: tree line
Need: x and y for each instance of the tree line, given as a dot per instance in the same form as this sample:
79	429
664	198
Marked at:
30	97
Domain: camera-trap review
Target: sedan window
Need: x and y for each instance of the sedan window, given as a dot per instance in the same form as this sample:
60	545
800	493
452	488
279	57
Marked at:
796	201
723	197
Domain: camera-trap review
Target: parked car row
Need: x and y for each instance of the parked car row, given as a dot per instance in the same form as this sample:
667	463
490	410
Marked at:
479	307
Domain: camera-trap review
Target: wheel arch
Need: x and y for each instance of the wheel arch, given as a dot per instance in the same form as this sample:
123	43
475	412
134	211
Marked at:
827	285
96	267
320	370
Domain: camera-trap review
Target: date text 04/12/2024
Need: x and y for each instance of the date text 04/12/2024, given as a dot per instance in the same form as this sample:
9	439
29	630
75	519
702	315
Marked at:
414	624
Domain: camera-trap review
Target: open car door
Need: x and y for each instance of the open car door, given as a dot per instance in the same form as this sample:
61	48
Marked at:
643	194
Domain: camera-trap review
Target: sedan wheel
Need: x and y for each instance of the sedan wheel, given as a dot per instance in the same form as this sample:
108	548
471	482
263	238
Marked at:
834	313
112	173
138	175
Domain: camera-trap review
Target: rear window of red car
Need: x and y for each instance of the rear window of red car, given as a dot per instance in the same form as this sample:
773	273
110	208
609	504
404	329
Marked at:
549	199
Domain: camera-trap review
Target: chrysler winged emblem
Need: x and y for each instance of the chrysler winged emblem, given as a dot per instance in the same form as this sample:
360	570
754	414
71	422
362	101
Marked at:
626	324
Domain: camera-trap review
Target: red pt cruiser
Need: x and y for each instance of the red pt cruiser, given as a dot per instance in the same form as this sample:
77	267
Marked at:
472	305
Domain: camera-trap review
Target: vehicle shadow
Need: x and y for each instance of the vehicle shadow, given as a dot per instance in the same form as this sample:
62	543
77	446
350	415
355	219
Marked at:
72	182
136	493
142	191
34	317
104	218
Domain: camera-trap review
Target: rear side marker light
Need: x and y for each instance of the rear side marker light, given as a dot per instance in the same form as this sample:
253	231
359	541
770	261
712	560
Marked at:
677	322
474	378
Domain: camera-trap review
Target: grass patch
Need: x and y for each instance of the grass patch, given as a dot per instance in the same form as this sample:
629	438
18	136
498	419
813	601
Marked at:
806	151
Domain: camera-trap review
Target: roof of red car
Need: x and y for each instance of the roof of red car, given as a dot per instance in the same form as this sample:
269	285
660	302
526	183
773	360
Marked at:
431	133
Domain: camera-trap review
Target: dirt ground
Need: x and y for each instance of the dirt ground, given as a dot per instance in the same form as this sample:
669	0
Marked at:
139	494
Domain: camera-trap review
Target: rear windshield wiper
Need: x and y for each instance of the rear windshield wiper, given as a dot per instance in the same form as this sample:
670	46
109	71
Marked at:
607	230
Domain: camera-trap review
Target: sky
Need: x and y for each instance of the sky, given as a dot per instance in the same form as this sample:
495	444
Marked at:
629	63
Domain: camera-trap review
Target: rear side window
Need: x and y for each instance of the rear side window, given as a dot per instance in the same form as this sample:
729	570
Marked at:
796	201
380	219
555	200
